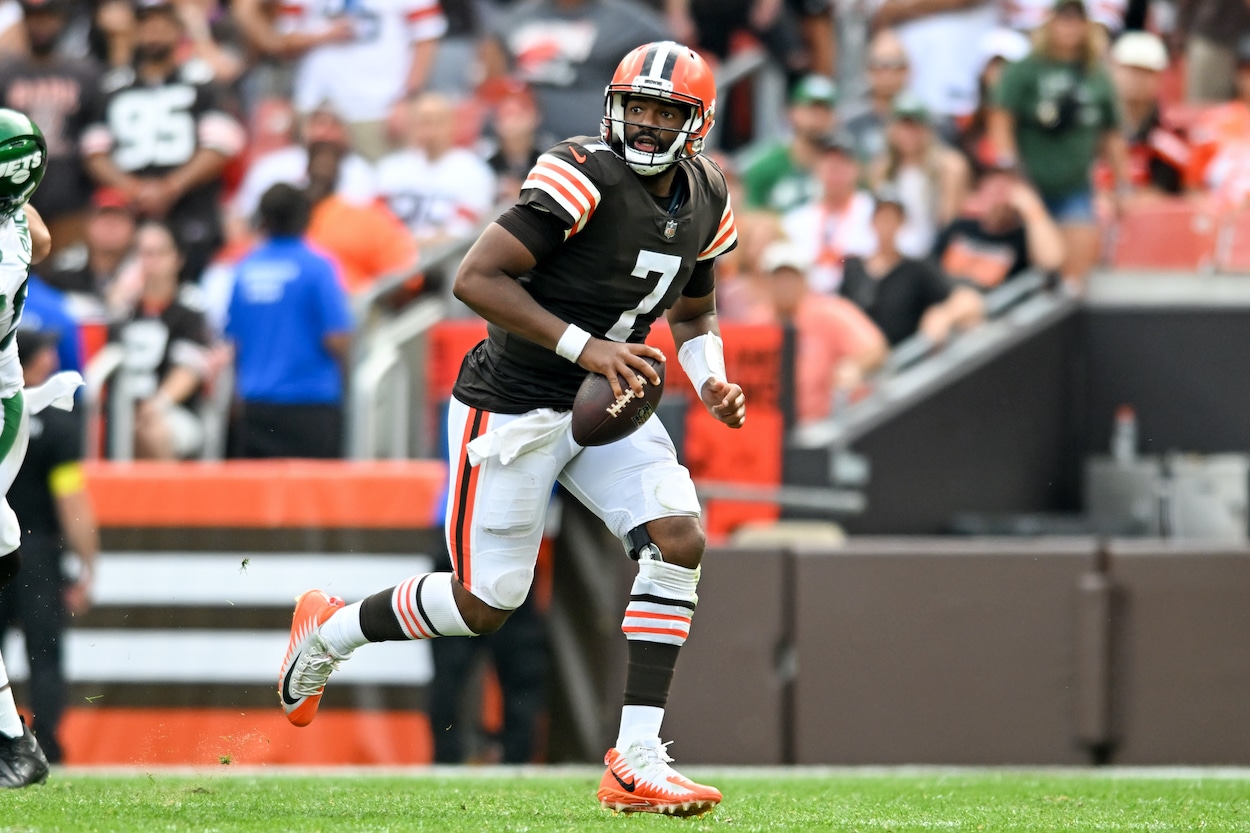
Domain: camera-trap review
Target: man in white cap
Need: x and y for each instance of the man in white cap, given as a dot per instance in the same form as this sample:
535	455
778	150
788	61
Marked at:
1158	152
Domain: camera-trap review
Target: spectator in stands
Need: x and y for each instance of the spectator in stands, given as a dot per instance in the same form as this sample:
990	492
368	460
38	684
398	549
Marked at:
887	68
931	178
1209	32
903	295
456	71
712	24
780	177
998	48
47	310
837	345
167	353
112	37
281	40
565	50
50	499
743	290
940	38
59	94
517	144
365	241
1221	141
838	223
12	38
1158	153
1026	15
743	293
98	273
356	183
441	192
1010	232
213	38
1055	113
364	57
164	135
291	329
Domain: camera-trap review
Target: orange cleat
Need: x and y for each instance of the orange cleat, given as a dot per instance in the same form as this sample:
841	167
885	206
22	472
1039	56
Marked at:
308	661
640	780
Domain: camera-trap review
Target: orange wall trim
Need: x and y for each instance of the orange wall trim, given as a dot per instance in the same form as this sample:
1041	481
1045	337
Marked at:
272	493
225	737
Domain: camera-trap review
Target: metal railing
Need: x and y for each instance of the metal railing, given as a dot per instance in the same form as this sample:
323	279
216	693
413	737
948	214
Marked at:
1014	311
107	381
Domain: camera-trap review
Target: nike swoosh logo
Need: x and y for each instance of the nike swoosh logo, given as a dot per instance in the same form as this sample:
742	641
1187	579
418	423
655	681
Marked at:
579	157
628	786
286	686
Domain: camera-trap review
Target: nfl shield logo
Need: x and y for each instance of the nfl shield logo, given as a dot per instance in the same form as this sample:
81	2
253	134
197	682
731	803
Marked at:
670	228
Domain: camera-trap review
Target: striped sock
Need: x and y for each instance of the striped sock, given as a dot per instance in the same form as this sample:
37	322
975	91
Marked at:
421	607
661	603
657	622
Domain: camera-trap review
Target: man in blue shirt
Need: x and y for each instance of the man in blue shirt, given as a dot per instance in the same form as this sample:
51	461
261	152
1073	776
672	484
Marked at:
291	327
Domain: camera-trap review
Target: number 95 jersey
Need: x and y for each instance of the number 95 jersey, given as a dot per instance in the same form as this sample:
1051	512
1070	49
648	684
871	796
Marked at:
625	259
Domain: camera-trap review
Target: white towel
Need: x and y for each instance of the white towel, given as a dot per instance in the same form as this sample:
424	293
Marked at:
527	433
57	391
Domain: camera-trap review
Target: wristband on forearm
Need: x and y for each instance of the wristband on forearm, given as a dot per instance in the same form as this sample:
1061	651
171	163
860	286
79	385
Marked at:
703	358
572	343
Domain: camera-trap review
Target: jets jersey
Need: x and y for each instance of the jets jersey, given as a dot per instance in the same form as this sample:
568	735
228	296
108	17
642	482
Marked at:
625	260
14	268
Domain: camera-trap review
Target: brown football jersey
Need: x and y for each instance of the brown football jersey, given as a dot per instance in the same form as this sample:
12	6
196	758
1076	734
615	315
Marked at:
624	261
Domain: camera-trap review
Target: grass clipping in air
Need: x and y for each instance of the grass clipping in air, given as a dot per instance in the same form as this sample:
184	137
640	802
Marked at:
530	801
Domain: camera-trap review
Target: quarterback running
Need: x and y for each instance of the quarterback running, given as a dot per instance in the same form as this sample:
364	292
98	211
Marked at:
611	231
24	240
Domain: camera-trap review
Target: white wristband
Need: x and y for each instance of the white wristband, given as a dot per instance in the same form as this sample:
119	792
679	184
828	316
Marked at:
703	358
572	343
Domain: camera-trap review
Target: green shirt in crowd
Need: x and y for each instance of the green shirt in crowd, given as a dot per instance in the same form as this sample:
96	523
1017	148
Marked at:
774	182
1062	110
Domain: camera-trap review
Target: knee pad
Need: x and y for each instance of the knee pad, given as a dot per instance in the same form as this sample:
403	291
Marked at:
9	565
509	590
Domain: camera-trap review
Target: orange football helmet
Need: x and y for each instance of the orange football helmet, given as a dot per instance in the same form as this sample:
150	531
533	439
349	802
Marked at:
670	72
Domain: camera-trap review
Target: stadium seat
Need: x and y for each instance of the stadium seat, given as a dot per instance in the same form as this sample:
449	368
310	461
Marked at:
1234	252
1165	235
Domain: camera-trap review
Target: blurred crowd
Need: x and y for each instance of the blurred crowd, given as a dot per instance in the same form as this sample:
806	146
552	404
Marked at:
926	152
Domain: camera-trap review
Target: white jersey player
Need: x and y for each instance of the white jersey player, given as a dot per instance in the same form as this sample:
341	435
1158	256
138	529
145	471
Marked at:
24	240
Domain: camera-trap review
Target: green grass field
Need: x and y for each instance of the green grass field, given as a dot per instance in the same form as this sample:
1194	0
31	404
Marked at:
529	801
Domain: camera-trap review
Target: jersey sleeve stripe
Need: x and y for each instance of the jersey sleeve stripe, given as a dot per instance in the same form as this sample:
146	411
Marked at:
726	236
575	177
559	193
578	191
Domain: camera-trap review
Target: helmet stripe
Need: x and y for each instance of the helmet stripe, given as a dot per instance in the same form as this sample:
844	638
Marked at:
660	61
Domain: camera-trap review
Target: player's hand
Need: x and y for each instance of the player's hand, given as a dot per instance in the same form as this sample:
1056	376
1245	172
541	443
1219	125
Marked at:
78	595
616	361
725	401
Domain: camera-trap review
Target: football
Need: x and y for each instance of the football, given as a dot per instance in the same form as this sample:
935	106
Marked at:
599	417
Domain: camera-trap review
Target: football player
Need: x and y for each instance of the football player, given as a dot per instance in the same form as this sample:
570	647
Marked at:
24	240
610	232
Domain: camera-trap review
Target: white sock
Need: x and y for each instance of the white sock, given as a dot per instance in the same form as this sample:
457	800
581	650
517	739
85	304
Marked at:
342	631
639	723
426	607
10	723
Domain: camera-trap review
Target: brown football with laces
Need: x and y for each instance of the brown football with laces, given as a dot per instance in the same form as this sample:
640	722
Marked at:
600	417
